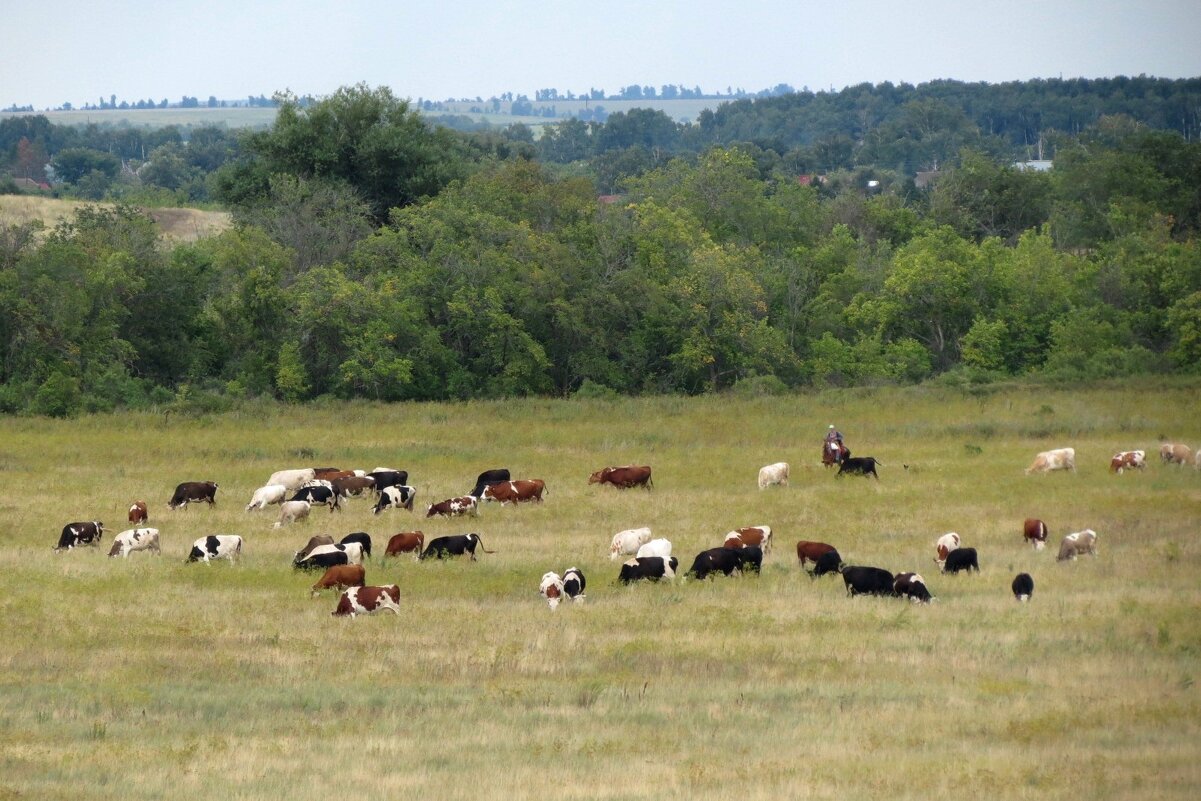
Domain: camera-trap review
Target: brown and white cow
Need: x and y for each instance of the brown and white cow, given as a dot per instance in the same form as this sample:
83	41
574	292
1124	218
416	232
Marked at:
1134	460
135	539
331	473
405	542
1175	453
812	551
749	535
515	492
368	601
1035	532
624	477
1058	459
453	507
627	543
551	588
945	544
138	512
340	577
1077	543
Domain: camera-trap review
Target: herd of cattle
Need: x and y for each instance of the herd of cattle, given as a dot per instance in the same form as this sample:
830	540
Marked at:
742	550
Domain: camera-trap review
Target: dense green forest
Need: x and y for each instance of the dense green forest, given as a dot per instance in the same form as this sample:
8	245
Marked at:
776	243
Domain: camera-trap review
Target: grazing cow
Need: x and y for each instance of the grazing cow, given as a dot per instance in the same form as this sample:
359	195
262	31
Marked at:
1023	586
318	495
749	535
292	479
752	557
1077	543
812	551
193	492
961	559
138	512
868	581
217	546
388	478
716	560
859	465
340	577
453	507
487	479
624	477
292	512
405	542
362	538
1175	453
76	534
1035	532
627	543
331	474
326	556
650	568
773	474
456	545
1058	459
368	600
660	547
574	584
1135	460
551	588
398	497
264	496
314	543
352	485
911	586
135	539
946	543
828	562
515	492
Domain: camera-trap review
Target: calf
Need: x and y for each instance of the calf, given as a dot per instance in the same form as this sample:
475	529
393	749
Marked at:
749	535
627	543
859	465
138	512
961	559
1077	543
660	547
773	474
292	512
405	542
1023	587
1035	532
515	492
76	534
455	545
317	496
217	546
828	562
264	496
551	589
314	543
453	507
398	497
716	560
360	537
573	583
624	477
340	577
946	543
193	492
650	568
868	581
911	586
135	539
487	479
368	600
812	551
1135	460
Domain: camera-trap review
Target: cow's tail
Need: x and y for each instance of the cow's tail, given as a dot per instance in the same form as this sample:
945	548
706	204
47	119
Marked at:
480	540
650	483
878	462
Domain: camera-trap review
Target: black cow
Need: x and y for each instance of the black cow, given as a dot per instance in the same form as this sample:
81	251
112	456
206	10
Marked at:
961	559
388	478
912	586
859	465
867	581
455	545
87	533
318	495
752	557
716	560
1023	586
651	568
362	538
488	478
193	491
829	562
573	583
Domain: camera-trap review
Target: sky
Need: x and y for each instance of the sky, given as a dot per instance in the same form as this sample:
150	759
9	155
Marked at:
56	51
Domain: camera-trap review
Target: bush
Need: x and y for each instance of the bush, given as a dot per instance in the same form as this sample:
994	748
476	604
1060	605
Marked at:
591	389
759	386
58	396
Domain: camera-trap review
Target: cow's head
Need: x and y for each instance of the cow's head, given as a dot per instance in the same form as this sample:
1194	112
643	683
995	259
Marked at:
429	511
598	476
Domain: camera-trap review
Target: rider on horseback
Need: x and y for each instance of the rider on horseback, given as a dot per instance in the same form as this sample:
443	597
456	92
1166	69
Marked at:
833	451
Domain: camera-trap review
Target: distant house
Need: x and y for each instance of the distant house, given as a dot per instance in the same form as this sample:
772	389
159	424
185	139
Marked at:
1034	165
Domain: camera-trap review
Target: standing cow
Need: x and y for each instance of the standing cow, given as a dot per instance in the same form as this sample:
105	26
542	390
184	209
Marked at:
627	543
1035	532
368	601
1175	453
193	492
1123	460
397	497
624	477
812	551
135	539
217	546
913	587
292	512
773	474
859	465
946	543
515	492
860	580
1023	587
1058	459
456	545
83	533
1077	543
265	496
138	512
453	507
405	542
961	559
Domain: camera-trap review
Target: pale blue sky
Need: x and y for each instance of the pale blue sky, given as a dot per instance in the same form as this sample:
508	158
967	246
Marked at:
53	51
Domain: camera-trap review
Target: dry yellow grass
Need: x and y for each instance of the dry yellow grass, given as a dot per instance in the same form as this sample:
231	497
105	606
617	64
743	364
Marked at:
178	225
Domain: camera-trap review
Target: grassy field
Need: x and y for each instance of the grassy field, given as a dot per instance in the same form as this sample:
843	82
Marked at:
147	678
178	225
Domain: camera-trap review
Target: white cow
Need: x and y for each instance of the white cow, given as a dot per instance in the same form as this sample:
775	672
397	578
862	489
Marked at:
1077	543
773	474
628	542
291	512
551	588
272	493
660	547
292	479
1058	459
135	539
217	546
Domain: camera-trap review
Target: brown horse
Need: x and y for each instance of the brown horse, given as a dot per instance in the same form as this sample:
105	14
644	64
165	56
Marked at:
834	453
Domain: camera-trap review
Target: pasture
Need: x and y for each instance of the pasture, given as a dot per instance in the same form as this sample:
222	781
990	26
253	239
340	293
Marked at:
175	224
147	678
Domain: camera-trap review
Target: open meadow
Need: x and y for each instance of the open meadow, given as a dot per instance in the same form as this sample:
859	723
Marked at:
149	678
175	224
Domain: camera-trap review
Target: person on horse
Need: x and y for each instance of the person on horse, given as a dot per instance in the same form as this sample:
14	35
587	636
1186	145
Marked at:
833	451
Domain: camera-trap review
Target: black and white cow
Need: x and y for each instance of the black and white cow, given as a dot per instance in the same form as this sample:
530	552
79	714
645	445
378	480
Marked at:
326	556
651	568
454	545
362	538
135	539
913	587
318	495
961	559
399	497
75	534
488	478
388	478
867	580
216	546
1023	586
573	583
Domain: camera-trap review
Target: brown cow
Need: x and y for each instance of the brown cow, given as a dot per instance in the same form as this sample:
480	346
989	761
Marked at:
624	477
346	486
405	542
812	550
138	513
329	473
314	542
367	600
1171	453
749	535
340	577
516	492
1135	460
1035	532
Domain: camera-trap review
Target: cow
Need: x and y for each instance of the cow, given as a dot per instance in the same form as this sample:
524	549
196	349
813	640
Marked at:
316	482
515	492
292	512
138	512
1058	459
326	556
135	539
292	479
828	562
574	583
398	497
868	581
331	474
1135	460
76	534
487	479
961	559
749	535
352	485
1023	587
752	558
453	507
264	496
551	589
1076	543
1175	453
945	544
368	600
388	478
216	546
362	538
773	474
660	547
193	492
624	477
650	568
455	545
318	495
627	543
911	586
715	560
859	465
1035	532
812	551
313	543
339	577
405	542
